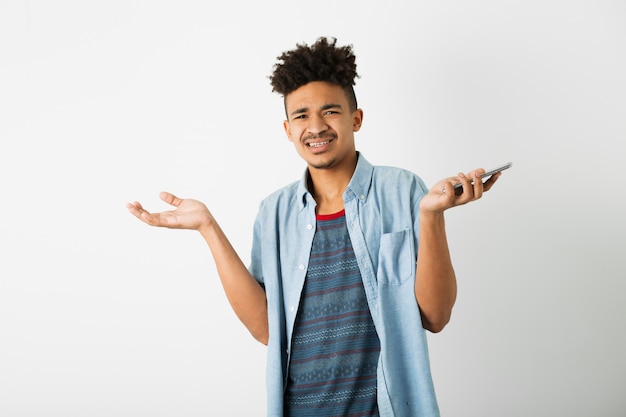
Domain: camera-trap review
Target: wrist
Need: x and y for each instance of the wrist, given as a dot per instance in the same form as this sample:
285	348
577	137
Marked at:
431	216
207	225
432	223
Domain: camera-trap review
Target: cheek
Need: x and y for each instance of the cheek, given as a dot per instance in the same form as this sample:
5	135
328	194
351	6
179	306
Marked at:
293	134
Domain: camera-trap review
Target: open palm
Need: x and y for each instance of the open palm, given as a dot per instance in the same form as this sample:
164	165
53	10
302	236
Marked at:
188	214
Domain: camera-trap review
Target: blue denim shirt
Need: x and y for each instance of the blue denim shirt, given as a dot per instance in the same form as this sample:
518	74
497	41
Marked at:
382	215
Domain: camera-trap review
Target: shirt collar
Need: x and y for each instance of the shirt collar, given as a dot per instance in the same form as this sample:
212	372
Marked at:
358	187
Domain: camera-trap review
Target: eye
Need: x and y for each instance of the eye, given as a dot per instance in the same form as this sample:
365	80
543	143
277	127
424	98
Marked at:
300	116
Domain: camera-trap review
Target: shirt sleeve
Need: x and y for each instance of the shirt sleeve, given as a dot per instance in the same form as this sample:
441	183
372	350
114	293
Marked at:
256	265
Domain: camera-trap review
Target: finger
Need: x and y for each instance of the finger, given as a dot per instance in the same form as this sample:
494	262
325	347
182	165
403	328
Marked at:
458	185
135	208
170	198
447	186
477	172
153	219
477	182
468	190
492	180
138	205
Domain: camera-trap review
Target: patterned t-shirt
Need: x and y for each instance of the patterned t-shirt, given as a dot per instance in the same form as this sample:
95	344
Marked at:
335	347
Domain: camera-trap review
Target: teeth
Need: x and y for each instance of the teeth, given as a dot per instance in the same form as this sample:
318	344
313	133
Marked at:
316	145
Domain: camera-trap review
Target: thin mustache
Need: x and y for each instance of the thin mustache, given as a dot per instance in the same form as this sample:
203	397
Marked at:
319	136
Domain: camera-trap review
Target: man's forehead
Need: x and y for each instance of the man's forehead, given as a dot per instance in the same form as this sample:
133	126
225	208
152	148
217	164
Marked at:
316	96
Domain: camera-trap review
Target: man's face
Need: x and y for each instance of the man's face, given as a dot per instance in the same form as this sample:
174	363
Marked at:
321	125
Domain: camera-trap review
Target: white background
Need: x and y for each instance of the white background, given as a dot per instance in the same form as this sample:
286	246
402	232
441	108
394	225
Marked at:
103	103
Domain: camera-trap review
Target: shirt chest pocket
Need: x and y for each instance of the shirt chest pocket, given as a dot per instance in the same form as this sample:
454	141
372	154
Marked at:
396	258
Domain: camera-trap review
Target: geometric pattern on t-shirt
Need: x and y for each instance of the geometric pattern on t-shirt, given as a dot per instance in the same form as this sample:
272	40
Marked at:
335	347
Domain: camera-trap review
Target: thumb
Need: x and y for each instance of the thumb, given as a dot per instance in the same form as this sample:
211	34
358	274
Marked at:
170	198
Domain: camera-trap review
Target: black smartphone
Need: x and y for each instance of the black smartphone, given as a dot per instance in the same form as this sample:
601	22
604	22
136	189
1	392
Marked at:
458	188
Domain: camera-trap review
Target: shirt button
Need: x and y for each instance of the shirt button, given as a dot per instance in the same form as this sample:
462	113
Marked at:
309	226
301	267
292	309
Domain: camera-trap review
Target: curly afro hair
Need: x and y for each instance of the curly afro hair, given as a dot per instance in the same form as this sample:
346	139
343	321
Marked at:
321	61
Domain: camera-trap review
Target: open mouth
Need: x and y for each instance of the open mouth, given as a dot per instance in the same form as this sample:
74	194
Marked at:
318	144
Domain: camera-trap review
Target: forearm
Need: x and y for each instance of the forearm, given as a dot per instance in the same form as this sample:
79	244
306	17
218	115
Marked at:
244	293
435	281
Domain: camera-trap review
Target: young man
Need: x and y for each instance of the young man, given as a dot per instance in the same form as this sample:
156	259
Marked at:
349	265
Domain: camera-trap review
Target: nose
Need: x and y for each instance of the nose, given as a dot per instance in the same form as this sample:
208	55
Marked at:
317	125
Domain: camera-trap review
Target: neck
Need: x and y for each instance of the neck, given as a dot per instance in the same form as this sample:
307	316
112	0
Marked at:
328	186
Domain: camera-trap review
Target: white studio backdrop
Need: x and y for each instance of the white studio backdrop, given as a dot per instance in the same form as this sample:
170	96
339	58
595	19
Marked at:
103	103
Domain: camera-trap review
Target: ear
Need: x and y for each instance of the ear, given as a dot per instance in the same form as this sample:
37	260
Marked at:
357	120
287	130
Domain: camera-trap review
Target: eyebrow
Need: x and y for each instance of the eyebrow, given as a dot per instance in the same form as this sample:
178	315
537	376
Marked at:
324	107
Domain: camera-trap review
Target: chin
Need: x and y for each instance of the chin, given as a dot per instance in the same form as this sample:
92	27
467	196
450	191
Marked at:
322	164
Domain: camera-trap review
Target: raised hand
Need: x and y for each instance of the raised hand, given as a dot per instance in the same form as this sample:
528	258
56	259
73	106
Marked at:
245	294
188	214
442	195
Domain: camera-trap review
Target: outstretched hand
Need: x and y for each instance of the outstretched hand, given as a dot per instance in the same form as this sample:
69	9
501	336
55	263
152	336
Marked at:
442	195
188	214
